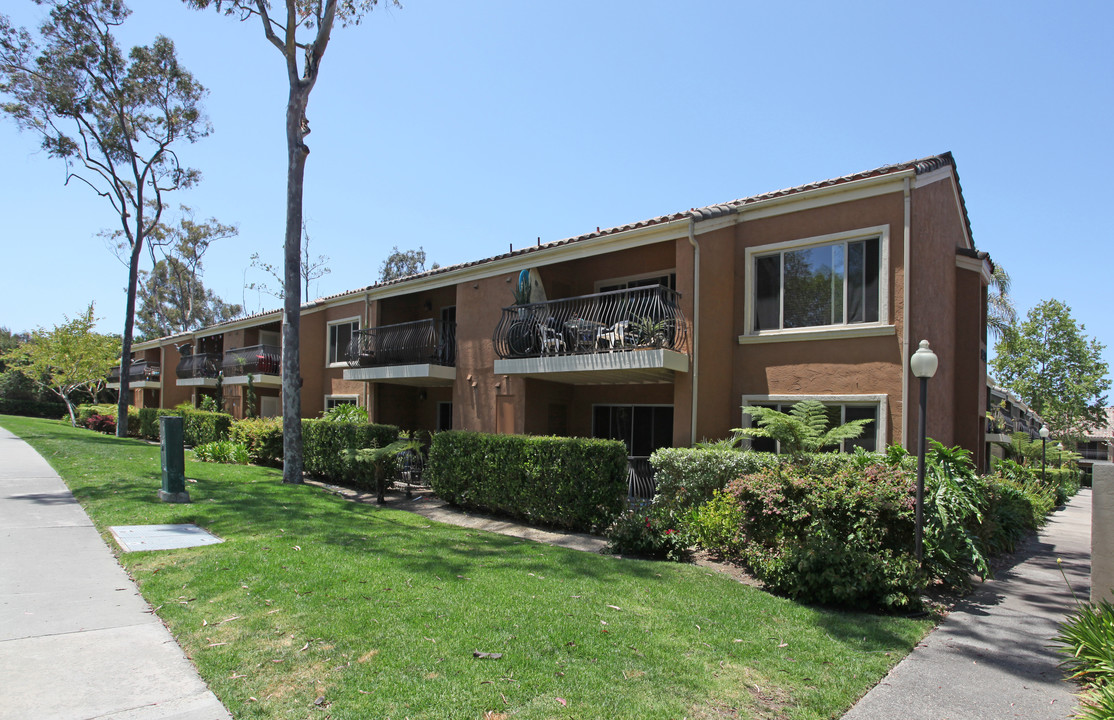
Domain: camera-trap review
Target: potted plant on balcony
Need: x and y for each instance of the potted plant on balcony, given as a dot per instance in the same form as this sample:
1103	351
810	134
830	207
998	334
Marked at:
650	332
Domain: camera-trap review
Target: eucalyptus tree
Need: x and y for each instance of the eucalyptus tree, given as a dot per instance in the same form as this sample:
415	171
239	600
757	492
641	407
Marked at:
300	31
115	120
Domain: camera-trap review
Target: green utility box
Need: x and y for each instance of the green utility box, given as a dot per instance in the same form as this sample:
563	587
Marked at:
173	460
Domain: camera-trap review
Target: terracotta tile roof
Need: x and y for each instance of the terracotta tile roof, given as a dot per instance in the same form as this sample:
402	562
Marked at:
1103	433
920	167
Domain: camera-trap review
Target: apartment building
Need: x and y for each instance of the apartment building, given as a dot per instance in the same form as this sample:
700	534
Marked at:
657	332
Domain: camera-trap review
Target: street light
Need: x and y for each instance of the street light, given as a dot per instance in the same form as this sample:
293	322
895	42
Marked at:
1059	455
1044	443
923	363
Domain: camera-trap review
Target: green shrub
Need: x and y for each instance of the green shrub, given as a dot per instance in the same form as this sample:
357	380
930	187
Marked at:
84	412
688	477
33	408
149	423
262	437
1087	638
346	412
328	447
102	424
573	483
222	451
714	526
840	539
636	531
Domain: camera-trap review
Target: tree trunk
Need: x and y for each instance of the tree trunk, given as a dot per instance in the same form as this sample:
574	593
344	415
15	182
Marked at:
129	324
292	288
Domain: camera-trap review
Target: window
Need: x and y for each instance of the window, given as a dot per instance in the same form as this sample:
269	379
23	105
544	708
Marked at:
644	428
667	280
331	401
871	440
820	284
340	335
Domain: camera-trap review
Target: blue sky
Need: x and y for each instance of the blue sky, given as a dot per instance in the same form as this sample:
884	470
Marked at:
465	127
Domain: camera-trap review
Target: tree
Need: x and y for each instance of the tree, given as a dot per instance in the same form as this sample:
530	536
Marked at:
302	31
1000	312
1049	363
172	298
804	429
310	270
10	341
69	358
113	120
400	264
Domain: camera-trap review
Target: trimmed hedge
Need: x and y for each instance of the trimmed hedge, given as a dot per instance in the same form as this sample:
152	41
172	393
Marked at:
262	437
326	445
199	427
84	412
574	483
34	408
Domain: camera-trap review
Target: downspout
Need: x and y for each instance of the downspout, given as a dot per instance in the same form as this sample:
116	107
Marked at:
695	325
906	239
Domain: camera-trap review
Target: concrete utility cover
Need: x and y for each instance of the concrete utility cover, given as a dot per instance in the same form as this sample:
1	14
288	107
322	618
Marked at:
133	538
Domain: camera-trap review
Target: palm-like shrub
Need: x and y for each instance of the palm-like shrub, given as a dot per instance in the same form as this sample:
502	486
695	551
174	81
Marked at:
804	429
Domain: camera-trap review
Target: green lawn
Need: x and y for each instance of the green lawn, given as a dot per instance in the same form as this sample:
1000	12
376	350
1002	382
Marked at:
376	613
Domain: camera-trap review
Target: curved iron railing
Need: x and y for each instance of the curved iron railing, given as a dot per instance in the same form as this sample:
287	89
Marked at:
137	370
619	320
201	365
410	343
254	360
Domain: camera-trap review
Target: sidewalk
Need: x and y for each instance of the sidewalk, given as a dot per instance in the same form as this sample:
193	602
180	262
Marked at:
76	638
993	655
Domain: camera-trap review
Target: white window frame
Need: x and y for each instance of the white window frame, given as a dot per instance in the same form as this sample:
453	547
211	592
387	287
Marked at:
328	338
882	402
883	326
626	279
355	400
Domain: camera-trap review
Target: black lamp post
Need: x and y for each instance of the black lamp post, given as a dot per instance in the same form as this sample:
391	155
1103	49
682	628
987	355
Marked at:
923	363
1059	455
1044	443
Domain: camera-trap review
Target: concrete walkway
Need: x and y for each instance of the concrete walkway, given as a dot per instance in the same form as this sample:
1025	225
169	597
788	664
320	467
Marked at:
76	638
993	655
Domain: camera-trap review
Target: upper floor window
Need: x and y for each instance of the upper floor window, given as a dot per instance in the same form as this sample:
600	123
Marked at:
830	284
340	335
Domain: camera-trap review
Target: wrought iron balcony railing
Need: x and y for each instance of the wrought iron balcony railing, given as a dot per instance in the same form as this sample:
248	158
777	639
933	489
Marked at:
139	370
410	343
254	360
619	320
201	365
1100	453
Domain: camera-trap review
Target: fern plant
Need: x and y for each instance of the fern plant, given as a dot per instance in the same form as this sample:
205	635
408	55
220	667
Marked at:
804	429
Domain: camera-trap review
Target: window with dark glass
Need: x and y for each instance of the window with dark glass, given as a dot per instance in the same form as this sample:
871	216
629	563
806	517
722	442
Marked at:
643	428
832	284
340	335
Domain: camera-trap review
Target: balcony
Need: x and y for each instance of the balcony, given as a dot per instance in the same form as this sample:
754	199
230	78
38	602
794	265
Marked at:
619	337
200	370
141	374
420	353
261	362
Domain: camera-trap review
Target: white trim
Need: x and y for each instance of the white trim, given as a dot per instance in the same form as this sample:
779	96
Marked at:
882	232
421	374
328	340
827	332
941	173
258	379
631	278
981	267
823	197
354	398
882	402
656	359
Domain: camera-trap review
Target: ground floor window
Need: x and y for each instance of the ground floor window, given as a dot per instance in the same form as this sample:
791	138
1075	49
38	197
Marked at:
839	412
331	401
444	416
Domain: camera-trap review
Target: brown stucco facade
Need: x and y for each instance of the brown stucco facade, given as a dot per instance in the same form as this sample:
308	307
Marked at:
931	284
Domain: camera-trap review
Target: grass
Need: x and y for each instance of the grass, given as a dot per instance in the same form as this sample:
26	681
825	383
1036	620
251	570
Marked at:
315	607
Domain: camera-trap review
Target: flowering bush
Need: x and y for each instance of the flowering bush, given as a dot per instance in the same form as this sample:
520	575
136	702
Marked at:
637	531
101	423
